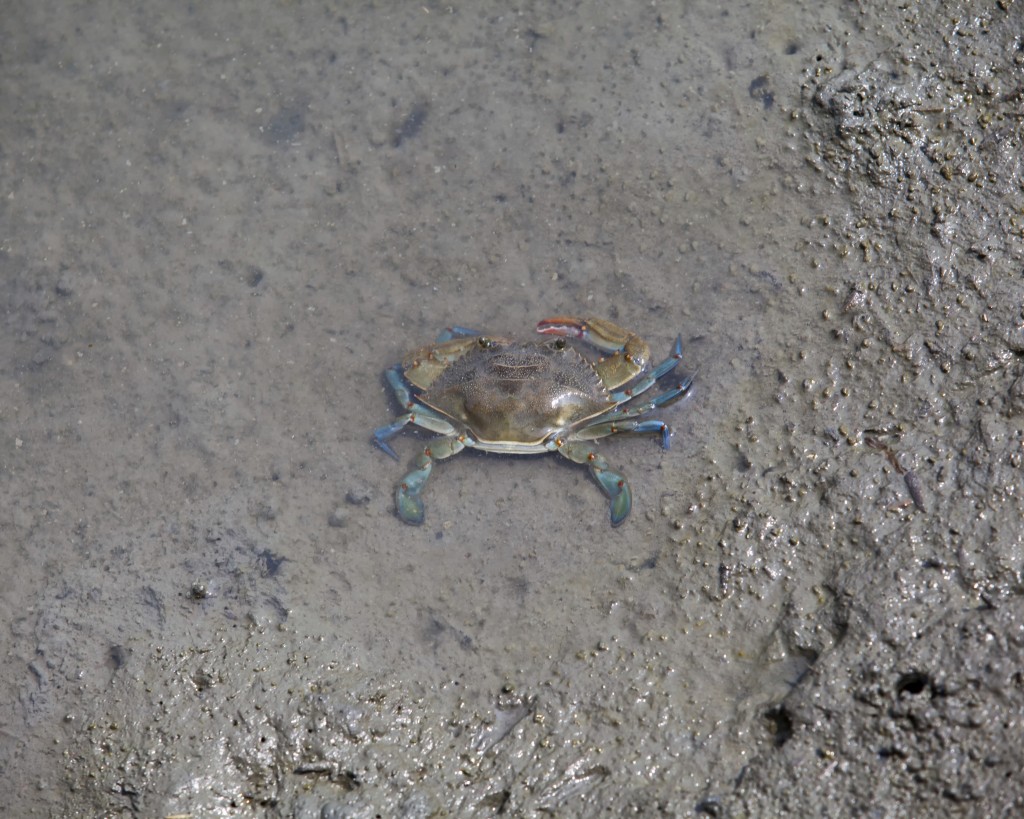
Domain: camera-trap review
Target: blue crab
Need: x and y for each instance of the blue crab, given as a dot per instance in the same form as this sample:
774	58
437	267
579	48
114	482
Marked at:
529	397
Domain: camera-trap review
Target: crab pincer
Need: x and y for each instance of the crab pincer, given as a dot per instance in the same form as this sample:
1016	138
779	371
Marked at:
629	353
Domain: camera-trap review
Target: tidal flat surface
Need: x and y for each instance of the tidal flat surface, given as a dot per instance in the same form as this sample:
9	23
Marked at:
219	224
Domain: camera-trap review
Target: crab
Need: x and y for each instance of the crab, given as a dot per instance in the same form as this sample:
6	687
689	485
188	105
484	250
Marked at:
530	397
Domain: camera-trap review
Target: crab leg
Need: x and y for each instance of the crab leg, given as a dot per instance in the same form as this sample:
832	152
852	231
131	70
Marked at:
659	400
417	414
625	420
629	352
611	482
606	428
398	385
648	381
408	503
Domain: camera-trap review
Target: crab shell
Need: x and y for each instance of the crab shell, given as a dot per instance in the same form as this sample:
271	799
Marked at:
511	396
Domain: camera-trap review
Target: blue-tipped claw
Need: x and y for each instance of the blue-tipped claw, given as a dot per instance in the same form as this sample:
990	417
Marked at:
408	504
618	492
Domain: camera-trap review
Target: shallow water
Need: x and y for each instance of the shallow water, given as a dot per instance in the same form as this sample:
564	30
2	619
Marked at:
221	226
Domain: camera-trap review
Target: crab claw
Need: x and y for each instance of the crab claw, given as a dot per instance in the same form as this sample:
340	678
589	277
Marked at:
629	353
599	333
409	505
617	490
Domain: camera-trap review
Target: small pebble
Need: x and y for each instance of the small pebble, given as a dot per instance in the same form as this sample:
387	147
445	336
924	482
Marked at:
359	495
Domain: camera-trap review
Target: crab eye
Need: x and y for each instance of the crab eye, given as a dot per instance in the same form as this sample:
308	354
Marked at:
559	343
485	342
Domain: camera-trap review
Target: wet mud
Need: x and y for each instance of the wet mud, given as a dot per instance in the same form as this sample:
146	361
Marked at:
219	228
